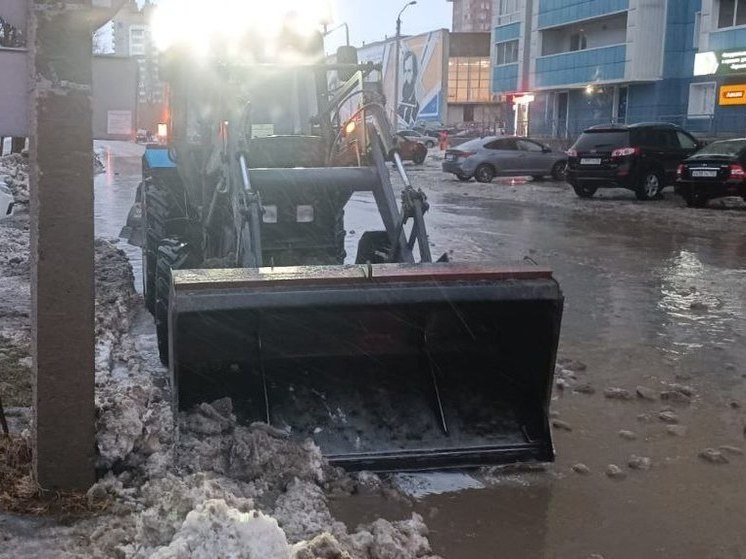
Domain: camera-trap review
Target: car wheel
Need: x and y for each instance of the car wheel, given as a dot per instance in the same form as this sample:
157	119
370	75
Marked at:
463	178
559	170
650	185
430	144
584	191
695	200
484	173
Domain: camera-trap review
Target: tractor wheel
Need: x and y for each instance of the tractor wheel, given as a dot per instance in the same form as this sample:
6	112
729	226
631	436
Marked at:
373	247
173	254
158	208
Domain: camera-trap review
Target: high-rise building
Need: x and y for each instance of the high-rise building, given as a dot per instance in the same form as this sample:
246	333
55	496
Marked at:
471	16
132	38
563	65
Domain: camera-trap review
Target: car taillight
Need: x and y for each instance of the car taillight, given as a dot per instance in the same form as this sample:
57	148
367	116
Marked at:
466	154
736	171
571	153
680	170
623	152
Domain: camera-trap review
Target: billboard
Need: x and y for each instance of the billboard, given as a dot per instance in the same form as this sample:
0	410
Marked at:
734	94
720	63
421	88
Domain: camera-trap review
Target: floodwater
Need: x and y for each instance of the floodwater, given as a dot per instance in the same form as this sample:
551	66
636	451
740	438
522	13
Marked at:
655	294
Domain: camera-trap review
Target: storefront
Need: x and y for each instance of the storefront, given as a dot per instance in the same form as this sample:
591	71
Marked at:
718	91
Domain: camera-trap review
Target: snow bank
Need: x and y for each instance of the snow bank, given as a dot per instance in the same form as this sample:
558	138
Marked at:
219	488
14	171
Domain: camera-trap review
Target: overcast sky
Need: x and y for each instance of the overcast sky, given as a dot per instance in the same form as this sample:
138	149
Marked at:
371	20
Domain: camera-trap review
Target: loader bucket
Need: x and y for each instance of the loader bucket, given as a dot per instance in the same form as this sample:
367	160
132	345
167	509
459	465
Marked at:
386	367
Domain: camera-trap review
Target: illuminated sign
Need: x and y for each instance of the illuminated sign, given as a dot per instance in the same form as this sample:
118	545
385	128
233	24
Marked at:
733	94
721	63
520	98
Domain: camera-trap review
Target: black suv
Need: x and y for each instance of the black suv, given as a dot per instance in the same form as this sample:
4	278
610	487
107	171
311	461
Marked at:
641	157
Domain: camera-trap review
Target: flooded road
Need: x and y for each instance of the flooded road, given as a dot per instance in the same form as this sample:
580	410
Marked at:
655	296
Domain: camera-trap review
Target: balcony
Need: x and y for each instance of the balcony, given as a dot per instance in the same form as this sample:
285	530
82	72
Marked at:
562	12
602	64
505	78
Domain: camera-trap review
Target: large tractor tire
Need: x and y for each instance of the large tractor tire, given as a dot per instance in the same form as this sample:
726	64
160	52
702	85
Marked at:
173	254
159	209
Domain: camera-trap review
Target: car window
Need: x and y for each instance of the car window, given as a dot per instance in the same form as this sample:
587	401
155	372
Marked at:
602	140
670	139
686	141
526	145
503	144
472	144
408	134
658	138
728	148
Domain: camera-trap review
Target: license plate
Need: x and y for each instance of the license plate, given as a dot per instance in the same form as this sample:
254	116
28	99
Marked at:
703	173
590	161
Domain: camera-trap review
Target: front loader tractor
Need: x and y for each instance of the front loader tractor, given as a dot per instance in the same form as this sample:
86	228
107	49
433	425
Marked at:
387	360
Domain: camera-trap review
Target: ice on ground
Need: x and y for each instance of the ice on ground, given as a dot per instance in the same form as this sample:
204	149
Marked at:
421	485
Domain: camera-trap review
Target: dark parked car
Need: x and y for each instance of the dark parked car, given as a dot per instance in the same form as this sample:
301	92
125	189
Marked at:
640	157
493	156
718	169
410	149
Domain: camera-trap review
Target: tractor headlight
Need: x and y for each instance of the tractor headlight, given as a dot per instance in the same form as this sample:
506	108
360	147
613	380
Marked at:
304	214
270	214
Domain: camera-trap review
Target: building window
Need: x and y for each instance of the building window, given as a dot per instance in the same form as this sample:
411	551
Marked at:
506	53
137	40
731	13
508	11
468	80
578	41
701	100
507	7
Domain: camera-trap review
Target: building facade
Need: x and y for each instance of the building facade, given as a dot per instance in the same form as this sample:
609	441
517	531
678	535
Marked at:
562	65
444	78
472	16
132	39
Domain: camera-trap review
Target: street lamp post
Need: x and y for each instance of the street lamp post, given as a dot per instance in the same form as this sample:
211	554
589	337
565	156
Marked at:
396	63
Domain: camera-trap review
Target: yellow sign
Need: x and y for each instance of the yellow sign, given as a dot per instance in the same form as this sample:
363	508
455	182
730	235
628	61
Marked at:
733	94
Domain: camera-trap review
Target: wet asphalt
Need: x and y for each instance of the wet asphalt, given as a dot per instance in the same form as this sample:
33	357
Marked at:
655	295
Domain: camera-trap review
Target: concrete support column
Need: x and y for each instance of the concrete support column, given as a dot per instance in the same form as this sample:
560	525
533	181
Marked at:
62	242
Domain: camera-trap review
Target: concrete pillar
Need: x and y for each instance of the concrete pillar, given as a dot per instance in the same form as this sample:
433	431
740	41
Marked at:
62	242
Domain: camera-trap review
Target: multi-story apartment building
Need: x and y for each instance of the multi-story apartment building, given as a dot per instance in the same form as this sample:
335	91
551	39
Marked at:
472	16
574	63
131	38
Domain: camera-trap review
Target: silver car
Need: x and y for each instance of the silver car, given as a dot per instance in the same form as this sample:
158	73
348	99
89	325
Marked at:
429	141
499	156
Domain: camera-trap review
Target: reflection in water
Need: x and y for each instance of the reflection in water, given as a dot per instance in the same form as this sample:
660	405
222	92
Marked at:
114	193
702	303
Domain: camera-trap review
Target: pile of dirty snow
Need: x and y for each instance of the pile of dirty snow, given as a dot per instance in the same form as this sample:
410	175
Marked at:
14	171
215	487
